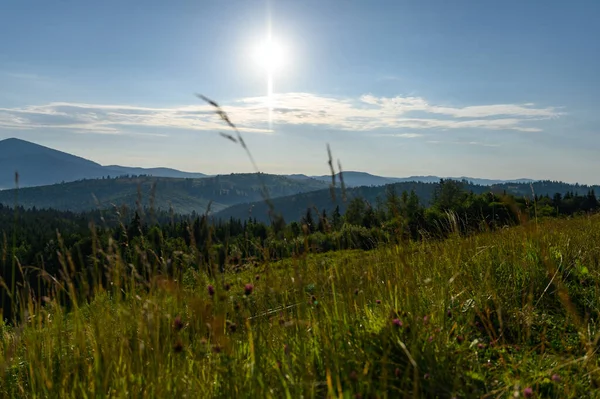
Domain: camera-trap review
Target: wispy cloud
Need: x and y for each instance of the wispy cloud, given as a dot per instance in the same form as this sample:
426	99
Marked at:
476	143
22	75
366	113
401	135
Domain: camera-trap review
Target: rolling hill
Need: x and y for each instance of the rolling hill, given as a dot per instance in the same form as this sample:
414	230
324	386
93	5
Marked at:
357	179
183	195
293	207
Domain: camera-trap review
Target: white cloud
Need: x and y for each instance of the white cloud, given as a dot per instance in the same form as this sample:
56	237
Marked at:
401	135
476	143
363	114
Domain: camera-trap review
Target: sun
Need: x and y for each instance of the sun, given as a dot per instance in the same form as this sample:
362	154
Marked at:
269	55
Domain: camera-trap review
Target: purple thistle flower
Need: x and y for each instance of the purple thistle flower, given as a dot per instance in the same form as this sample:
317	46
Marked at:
426	376
430	339
528	392
378	301
211	290
425	319
248	288
555	377
177	323
397	322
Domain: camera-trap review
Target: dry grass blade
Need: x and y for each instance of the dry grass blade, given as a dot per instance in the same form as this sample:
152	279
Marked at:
223	115
228	137
342	181
330	162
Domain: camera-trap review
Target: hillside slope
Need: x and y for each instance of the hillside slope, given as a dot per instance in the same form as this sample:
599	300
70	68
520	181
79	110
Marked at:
183	195
292	208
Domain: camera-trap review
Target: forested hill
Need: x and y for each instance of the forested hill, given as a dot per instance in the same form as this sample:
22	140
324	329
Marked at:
294	207
183	195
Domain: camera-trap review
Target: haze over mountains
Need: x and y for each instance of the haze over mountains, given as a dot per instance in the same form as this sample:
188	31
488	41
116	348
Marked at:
358	179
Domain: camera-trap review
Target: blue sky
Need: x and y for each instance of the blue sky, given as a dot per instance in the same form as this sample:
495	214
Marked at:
464	88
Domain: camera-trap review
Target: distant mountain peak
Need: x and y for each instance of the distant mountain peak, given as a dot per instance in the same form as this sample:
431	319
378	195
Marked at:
38	165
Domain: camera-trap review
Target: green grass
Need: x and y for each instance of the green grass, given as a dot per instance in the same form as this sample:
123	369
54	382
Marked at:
483	316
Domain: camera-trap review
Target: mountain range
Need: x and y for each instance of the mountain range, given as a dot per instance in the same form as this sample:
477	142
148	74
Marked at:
50	178
38	165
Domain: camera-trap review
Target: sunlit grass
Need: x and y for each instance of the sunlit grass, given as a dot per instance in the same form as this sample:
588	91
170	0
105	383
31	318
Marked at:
488	315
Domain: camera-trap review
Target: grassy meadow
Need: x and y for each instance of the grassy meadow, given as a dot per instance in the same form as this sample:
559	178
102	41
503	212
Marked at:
512	313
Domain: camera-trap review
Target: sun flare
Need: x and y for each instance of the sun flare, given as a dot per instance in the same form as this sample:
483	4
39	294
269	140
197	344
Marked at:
269	55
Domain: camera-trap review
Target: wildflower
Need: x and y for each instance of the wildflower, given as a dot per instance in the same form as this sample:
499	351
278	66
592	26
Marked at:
232	327
425	319
430	339
460	339
177	323
378	301
248	288
449	313
555	377
211	290
397	322
528	392
426	376
480	346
